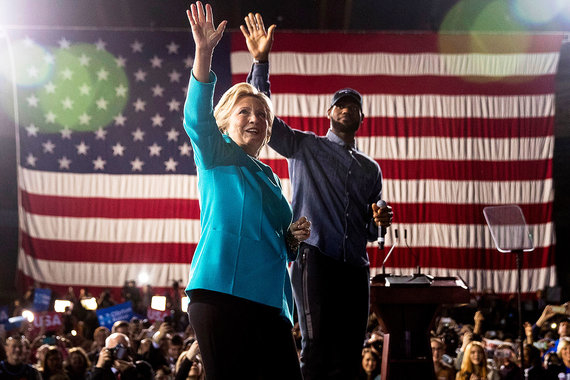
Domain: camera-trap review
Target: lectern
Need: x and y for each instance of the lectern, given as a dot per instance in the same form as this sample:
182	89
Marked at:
406	309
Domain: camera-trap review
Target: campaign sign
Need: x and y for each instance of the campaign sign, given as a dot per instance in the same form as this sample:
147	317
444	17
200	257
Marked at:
110	315
156	315
48	320
42	298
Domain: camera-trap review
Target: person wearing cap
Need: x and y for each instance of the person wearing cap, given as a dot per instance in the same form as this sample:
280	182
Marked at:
336	186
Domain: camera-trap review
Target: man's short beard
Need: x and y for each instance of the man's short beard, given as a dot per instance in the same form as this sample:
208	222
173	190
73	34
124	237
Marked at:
345	128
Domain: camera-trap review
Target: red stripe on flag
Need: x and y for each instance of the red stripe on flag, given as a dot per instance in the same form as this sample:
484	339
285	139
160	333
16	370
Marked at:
110	207
449	213
408	43
113	253
433	126
409	85
458	258
450	170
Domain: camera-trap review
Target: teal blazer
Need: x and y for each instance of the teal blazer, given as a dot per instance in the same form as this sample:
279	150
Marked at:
244	216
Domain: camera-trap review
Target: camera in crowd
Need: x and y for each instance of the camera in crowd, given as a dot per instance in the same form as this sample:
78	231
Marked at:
119	352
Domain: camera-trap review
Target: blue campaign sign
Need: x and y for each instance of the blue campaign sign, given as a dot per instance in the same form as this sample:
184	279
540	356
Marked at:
110	315
42	298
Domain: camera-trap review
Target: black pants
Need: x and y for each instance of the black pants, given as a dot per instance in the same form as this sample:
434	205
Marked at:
332	300
241	339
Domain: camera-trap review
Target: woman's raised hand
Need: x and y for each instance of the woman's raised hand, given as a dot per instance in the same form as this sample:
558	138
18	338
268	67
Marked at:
206	36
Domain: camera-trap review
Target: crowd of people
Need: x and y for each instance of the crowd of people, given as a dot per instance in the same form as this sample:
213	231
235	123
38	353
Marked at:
477	341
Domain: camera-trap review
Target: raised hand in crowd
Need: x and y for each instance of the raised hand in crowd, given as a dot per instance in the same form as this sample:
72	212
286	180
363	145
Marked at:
258	40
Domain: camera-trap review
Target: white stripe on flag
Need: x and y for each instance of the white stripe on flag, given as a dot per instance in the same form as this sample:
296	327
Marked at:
355	64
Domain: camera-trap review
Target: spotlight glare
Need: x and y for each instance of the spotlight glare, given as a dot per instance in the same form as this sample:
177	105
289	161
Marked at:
89	303
184	304
158	303
60	305
143	278
28	315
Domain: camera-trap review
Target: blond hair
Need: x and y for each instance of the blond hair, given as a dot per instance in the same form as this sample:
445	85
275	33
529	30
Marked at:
223	109
563	342
467	367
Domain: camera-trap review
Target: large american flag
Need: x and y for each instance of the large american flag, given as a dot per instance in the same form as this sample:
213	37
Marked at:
108	186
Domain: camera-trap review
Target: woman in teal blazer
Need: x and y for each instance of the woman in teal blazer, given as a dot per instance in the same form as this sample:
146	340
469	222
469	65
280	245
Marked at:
239	288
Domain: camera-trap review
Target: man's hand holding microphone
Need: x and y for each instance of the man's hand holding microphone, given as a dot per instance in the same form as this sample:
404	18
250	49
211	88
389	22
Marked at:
382	215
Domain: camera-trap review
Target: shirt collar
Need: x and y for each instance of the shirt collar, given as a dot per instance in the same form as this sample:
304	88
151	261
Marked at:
337	140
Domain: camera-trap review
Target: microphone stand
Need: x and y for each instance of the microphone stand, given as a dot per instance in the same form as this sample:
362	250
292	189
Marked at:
390	252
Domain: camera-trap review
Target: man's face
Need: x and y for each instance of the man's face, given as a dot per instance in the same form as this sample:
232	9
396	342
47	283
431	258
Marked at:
345	115
563	328
436	351
14	351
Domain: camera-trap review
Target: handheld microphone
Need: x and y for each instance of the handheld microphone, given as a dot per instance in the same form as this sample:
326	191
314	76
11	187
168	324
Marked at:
381	230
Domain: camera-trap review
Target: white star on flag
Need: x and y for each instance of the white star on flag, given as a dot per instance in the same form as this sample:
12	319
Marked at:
170	165
67	73
136	165
48	146
84	60
102	74
120	119
31	160
100	134
157	120
185	149
84	119
32	100
50	88
67	103
121	91
49	59
137	46
32	130
65	133
154	150
140	75
99	163
84	89
138	135
101	104
157	91
172	135
121	61
33	72
139	105
64	44
188	62
50	117
156	62
173	105
172	48
118	149
64	162
100	44
174	76
82	148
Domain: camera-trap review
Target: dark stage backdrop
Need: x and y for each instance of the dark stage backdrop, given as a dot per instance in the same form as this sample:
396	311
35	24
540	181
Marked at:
107	182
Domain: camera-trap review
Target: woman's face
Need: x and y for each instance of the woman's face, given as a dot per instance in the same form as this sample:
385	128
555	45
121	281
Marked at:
53	362
196	369
565	355
77	361
368	362
476	355
248	124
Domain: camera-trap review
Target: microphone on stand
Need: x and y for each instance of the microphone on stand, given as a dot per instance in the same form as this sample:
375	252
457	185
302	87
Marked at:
381	230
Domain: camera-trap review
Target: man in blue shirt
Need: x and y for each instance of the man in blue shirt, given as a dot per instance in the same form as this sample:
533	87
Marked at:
336	186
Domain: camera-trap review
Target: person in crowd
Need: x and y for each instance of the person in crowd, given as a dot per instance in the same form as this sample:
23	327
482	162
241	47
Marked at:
474	364
116	361
550	312
506	362
163	373
370	367
563	352
14	366
99	335
53	363
77	364
443	371
239	287
533	364
337	187
121	326
189	364
174	350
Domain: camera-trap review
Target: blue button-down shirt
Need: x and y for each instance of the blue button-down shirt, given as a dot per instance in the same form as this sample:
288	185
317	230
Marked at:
333	185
